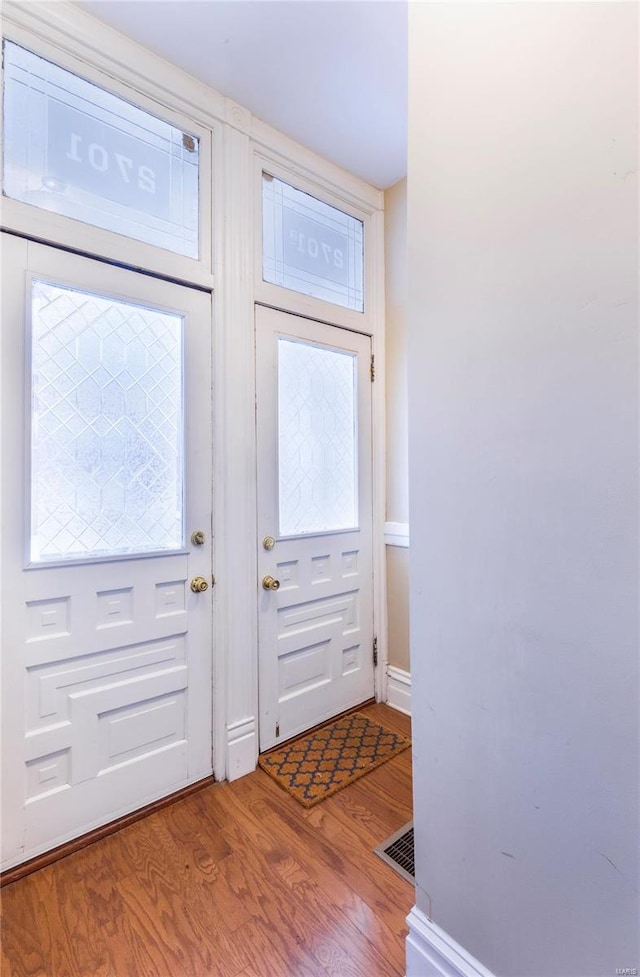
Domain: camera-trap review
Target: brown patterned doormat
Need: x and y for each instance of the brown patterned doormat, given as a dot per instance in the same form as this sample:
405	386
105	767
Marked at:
318	765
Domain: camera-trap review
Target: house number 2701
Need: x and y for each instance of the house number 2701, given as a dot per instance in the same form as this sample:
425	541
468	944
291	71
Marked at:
309	245
101	160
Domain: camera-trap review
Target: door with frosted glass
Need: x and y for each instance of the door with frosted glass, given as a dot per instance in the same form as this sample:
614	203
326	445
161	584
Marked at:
315	576
106	474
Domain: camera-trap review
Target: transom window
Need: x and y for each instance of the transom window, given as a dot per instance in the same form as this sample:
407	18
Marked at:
76	150
311	247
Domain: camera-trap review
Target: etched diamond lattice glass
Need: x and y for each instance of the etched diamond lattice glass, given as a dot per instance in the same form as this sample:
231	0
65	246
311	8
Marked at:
317	442
106	428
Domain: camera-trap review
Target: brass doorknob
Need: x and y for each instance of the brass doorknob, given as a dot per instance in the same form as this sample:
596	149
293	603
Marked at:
199	585
269	583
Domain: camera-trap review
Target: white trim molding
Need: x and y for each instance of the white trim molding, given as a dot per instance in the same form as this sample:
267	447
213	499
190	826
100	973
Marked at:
399	689
433	953
396	534
242	748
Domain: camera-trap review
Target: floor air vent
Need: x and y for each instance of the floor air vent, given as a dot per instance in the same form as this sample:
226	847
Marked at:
397	851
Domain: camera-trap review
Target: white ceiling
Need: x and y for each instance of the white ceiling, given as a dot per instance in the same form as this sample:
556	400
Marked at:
329	73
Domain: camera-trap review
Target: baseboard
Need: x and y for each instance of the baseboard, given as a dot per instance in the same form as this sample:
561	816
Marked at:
399	689
433	953
242	748
396	534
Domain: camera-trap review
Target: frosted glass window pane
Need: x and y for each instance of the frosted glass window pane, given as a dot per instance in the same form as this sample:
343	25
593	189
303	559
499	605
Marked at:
106	430
311	247
317	440
77	150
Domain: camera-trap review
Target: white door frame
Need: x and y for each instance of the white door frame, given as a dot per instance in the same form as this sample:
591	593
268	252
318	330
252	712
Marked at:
241	146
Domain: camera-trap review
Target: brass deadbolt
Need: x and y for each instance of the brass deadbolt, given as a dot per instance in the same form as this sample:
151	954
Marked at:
199	585
270	583
197	537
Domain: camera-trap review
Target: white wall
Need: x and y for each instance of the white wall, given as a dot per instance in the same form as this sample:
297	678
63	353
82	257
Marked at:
397	465
395	252
523	447
398	607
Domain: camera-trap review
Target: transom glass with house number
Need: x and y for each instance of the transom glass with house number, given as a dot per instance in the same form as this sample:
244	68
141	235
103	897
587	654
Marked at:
77	150
310	246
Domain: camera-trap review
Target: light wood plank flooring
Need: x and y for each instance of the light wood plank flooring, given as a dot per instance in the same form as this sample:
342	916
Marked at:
236	881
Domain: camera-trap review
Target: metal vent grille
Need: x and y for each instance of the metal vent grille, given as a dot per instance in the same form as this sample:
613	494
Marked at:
397	851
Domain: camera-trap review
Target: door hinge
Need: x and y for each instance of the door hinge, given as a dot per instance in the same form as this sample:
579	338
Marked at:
375	652
373	368
277	729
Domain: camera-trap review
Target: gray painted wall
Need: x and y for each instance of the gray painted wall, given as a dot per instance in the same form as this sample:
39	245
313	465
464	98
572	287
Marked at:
523	455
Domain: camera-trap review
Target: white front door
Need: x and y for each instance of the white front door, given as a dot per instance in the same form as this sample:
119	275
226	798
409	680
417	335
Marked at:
106	473
314	522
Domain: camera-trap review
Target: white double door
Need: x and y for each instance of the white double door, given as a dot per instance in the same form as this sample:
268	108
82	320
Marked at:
315	573
106	473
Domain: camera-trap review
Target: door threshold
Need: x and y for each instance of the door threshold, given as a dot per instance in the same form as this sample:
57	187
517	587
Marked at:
325	722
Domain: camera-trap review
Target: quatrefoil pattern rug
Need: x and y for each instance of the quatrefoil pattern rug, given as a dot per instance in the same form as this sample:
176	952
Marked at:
318	765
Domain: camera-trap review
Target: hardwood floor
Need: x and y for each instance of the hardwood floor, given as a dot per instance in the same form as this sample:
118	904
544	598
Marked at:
238	880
